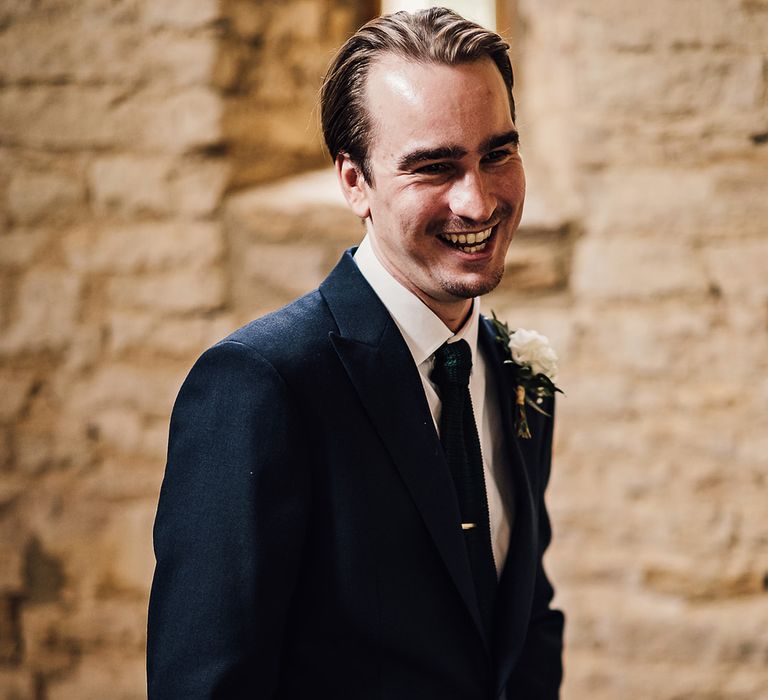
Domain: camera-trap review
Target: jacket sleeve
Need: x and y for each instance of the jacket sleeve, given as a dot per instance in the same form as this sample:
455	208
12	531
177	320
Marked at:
229	531
539	671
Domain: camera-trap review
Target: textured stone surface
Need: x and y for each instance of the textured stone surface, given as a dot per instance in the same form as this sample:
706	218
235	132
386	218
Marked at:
114	276
132	238
659	547
45	314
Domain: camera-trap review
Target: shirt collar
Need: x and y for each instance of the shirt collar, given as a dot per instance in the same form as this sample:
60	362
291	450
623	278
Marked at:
421	329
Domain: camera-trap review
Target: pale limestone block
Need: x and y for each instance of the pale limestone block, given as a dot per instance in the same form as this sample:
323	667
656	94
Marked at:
34	196
126	431
279	130
129	330
119	428
534	264
85	350
180	14
45	314
309	206
130	248
656	337
122	476
21	247
15	388
632	140
197	186
34	449
128	537
131	184
6	448
744	84
607	397
181	121
607	25
62	117
739	268
176	292
105	116
249	20
752	447
136	331
293	270
12	541
154	440
650	84
607	628
45	50
111	673
147	390
713	578
628	268
45	646
18	683
180	61
300	19
650	201
117	622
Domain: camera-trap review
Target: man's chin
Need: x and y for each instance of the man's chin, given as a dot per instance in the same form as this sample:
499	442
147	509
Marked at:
471	288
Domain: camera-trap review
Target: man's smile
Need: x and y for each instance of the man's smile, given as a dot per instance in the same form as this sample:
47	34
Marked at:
468	242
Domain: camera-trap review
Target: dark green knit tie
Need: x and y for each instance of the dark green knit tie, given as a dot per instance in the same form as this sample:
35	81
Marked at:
461	444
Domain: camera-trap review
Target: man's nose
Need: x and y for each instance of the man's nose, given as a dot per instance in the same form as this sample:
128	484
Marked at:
470	198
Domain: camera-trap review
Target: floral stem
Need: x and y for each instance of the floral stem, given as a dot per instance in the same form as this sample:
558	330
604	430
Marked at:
521	420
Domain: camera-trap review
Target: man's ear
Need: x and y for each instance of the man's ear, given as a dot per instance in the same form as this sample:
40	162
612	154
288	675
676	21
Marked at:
353	185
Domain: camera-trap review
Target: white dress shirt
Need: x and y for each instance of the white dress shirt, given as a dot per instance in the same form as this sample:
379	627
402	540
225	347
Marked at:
424	333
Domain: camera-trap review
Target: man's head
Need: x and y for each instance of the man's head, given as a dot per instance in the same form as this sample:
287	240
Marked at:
433	36
426	150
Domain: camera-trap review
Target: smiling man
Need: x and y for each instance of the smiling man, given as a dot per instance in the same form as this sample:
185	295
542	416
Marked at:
348	511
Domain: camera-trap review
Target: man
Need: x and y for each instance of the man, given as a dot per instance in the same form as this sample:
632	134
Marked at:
311	536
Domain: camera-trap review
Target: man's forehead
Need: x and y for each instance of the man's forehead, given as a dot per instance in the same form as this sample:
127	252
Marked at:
392	72
398	71
415	106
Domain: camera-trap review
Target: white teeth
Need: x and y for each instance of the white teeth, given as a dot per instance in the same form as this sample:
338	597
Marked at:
472	248
470	242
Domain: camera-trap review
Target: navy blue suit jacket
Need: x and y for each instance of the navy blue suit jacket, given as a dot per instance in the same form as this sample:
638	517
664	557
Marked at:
307	535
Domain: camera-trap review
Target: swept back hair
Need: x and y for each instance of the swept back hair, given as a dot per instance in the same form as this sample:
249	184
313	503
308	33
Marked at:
436	35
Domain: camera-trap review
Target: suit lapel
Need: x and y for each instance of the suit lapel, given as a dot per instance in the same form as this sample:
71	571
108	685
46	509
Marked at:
381	368
515	593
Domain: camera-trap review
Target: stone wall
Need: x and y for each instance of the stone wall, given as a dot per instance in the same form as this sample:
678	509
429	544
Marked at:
123	125
131	133
648	123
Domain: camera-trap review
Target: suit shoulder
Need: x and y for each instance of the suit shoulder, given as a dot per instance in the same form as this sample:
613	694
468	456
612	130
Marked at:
297	330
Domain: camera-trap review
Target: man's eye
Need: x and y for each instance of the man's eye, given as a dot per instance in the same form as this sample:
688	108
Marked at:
497	156
434	169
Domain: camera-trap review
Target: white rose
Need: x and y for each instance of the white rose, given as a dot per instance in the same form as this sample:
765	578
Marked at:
533	349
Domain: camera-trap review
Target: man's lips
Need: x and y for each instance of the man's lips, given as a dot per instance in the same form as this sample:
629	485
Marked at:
468	242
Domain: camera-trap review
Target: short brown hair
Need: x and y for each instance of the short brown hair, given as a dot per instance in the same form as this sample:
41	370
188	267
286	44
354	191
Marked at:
436	35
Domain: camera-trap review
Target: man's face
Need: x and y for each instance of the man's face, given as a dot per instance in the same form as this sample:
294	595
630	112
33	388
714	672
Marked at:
448	182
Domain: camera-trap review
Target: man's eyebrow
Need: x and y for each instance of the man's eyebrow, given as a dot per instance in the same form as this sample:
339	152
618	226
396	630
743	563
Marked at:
511	137
407	161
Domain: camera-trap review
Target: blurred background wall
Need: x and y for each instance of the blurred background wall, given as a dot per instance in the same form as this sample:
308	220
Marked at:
162	182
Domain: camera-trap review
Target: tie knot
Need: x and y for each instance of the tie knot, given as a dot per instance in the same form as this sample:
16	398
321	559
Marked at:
453	363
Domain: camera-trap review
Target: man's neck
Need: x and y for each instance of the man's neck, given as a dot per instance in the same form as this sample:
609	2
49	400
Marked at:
452	314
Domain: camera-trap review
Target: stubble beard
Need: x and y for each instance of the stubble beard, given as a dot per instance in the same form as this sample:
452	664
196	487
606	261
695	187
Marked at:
469	290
